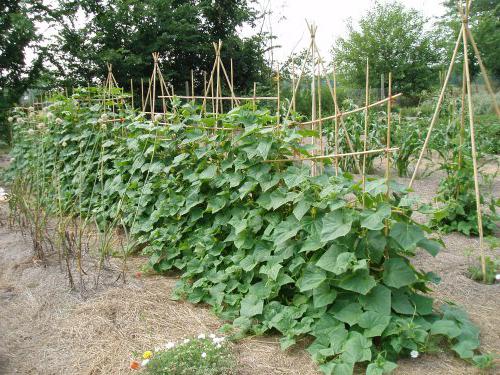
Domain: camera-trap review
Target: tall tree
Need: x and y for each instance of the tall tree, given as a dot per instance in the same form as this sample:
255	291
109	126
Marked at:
394	39
18	33
126	32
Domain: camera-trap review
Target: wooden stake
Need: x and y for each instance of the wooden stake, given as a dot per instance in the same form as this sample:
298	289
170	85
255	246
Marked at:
438	107
254	94
232	81
278	102
142	94
332	156
192	84
132	91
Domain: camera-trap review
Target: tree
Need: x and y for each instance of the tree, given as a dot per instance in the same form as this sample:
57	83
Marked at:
18	32
126	32
393	39
484	23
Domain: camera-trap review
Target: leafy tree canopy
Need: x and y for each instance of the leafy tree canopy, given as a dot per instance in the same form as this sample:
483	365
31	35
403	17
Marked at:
394	39
126	32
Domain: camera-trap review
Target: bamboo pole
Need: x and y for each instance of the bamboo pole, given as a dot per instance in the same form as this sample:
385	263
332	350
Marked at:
218	78
473	149
205	91
438	107
278	96
142	93
462	119
294	92
223	97
313	96
332	156
336	129
132	91
254	94
365	133
293	84
232	80
483	71
344	114
192	84
388	137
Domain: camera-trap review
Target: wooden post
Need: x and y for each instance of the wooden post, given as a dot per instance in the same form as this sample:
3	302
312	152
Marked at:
293	84
382	86
186	84
232	82
142	93
438	107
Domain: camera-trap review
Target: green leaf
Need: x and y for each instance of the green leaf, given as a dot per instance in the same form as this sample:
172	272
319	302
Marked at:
216	203
356	348
397	273
209	173
445	327
286	230
336	224
312	278
323	295
301	209
360	282
432	247
407	235
286	342
336	263
378	300
375	220
374	323
349	313
251	305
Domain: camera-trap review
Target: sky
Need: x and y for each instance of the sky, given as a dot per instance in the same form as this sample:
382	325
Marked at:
289	26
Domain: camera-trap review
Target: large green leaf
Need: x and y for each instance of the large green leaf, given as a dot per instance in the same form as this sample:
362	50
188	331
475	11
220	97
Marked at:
378	300
336	224
445	327
375	220
251	305
360	282
407	235
373	323
397	273
312	278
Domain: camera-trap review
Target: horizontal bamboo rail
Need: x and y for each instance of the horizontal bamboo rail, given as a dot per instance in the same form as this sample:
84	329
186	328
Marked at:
343	114
221	97
335	156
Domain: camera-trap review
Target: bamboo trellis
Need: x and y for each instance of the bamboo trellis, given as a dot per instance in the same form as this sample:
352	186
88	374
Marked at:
464	38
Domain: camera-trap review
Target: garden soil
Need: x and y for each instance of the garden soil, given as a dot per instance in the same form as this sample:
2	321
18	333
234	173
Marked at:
47	328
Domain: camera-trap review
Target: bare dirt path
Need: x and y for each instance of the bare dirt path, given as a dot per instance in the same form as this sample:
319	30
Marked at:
45	328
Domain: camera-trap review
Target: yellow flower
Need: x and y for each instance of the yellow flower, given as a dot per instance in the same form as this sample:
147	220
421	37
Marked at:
147	354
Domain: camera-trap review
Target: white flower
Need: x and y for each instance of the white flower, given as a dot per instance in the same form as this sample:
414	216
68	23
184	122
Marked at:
218	340
158	117
414	354
64	144
203	355
186	341
169	345
212	336
20	120
201	336
59	121
144	362
10	119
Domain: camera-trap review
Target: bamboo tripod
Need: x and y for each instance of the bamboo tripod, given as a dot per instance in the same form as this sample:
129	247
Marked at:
110	85
464	38
151	94
318	71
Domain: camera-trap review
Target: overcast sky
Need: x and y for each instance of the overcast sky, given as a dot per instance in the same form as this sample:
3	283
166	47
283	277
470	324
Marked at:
288	20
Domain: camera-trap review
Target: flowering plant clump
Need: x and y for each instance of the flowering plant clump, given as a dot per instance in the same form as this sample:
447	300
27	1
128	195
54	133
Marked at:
210	355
